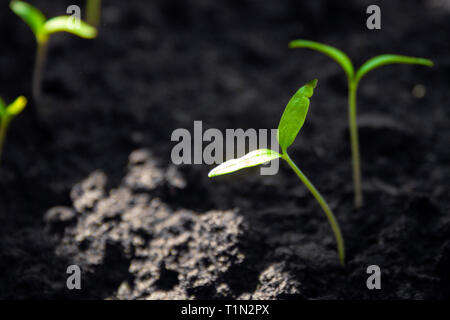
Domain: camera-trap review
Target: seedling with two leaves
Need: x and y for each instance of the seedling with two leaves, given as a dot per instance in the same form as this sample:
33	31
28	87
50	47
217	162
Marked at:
290	124
43	29
353	81
7	114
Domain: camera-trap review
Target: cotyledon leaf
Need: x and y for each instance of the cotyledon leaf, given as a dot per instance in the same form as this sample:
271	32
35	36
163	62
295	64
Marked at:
17	106
251	159
32	16
337	55
294	115
386	59
66	24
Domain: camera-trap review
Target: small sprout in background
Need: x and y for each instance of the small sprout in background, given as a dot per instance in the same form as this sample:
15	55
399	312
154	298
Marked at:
353	80
43	29
7	114
94	12
290	124
419	91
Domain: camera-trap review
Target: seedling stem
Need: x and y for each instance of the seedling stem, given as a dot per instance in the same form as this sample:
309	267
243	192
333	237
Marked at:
94	12
41	54
323	204
3	129
354	140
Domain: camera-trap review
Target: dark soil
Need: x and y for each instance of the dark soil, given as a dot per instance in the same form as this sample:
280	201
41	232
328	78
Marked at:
93	184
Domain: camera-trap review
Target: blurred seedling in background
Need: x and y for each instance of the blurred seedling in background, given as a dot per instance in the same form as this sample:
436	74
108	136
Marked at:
353	81
7	114
43	29
290	124
94	12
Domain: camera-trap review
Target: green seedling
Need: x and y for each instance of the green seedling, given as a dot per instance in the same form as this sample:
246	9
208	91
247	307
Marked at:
7	114
290	124
353	81
43	29
93	12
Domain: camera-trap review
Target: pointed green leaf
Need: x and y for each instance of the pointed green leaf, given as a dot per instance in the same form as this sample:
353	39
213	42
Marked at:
66	24
17	106
294	115
386	59
251	159
337	55
32	16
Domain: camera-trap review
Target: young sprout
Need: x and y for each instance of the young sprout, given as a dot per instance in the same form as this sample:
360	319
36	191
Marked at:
290	124
43	29
353	80
93	12
7	113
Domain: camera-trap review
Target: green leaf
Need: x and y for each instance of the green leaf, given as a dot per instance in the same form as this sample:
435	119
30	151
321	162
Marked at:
17	106
32	16
294	115
386	59
66	24
337	55
251	159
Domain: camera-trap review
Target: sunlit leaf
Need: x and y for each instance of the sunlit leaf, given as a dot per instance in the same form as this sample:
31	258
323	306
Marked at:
294	115
17	106
32	16
66	24
386	59
251	159
337	55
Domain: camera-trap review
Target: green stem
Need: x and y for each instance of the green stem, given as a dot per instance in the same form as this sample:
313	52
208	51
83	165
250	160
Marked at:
331	218
93	12
3	128
354	142
41	54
